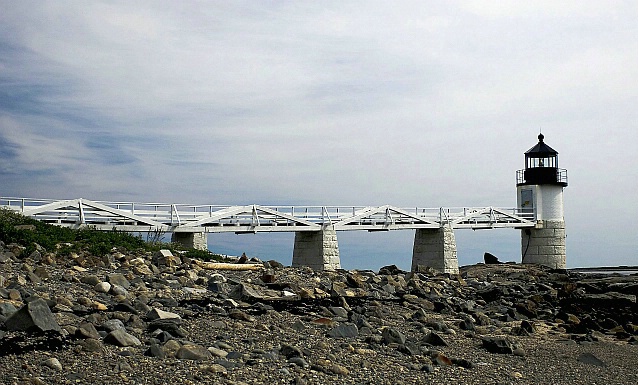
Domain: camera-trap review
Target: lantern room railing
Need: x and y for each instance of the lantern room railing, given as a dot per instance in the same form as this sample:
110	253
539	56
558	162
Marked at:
542	175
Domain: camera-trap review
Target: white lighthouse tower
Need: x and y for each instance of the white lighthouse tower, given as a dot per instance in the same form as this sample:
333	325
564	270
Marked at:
540	191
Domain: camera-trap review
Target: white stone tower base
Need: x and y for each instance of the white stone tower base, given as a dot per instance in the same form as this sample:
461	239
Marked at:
545	244
317	249
198	241
435	248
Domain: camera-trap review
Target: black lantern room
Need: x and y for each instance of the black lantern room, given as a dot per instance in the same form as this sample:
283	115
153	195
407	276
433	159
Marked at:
541	166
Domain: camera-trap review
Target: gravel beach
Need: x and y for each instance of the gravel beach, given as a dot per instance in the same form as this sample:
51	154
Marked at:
162	319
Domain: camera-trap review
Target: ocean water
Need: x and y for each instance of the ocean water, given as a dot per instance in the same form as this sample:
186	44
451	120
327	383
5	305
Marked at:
370	251
607	270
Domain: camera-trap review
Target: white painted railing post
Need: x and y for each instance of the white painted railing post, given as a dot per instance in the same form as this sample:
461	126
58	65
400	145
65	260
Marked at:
81	210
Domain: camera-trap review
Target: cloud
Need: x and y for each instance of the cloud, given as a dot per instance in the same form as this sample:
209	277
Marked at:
404	103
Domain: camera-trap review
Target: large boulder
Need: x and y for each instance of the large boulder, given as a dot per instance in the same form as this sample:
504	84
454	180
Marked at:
34	316
491	259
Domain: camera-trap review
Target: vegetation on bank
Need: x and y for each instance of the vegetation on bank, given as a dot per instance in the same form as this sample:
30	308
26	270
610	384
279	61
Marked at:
28	232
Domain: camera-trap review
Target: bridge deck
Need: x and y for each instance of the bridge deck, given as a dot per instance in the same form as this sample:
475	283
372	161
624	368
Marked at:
143	217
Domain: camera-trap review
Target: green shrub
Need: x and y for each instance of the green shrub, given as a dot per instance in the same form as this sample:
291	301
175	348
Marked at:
43	234
96	242
48	236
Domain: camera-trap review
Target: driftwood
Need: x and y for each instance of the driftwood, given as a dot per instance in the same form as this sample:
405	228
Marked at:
229	266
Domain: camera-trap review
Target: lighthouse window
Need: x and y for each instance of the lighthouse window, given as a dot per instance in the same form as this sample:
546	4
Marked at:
541	162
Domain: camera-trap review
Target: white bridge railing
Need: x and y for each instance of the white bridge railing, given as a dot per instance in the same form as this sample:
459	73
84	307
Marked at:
129	216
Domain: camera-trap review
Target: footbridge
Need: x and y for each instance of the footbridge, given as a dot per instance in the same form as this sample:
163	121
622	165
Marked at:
315	227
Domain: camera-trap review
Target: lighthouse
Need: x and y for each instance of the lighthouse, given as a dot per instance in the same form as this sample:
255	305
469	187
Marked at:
539	192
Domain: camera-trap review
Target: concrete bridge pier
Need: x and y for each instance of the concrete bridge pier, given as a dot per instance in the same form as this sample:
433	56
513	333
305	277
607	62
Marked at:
317	249
198	241
435	248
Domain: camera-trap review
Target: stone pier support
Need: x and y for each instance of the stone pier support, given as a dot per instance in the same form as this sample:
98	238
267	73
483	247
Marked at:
435	248
545	244
198	241
317	249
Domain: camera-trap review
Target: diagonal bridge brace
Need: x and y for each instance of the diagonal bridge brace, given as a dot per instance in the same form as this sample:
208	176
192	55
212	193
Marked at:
391	217
488	217
81	204
261	218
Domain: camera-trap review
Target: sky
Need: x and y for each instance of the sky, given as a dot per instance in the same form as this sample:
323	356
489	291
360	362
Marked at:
406	103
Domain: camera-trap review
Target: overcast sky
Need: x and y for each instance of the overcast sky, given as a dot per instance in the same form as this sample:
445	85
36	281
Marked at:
408	103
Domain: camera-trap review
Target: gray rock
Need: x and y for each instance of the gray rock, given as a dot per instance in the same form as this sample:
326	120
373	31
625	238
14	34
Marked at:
155	314
214	368
102	287
193	352
298	326
590	359
119	279
467	324
91	280
391	335
42	272
92	345
112	325
162	336
462	362
166	258
428	368
171	347
118	290
526	328
390	270
217	278
275	265
437	325
7	308
222	345
234	355
434	339
5	256
243	292
346	330
338	289
33	278
87	330
290	351
240	315
491	259
35	315
498	345
339	311
216	352
410	349
120	337
168	325
218	287
360	320
299	362
53	363
155	351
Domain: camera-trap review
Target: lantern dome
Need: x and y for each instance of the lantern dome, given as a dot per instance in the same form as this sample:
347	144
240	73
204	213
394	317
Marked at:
541	166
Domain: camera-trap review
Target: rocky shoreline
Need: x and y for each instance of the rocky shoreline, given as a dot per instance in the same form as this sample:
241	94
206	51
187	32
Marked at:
160	318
